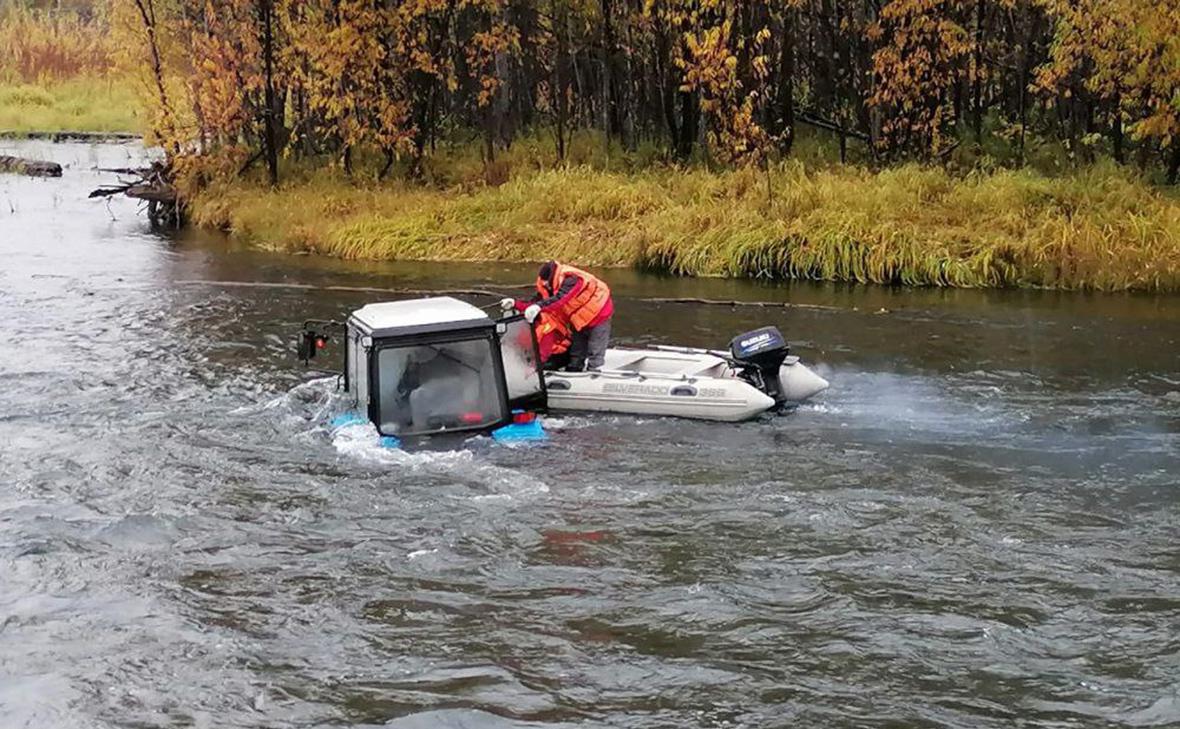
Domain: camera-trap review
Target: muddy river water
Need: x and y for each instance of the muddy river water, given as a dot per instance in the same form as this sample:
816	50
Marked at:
976	526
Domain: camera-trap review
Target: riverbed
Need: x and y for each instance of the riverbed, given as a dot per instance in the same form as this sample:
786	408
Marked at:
976	526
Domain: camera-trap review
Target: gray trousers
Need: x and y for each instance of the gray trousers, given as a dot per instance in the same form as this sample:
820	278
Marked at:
588	347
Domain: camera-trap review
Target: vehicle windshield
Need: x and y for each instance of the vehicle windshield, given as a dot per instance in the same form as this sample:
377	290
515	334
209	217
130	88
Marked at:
425	388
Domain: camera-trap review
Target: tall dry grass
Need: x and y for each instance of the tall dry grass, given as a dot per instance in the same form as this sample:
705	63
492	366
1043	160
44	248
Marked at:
58	72
38	46
1101	228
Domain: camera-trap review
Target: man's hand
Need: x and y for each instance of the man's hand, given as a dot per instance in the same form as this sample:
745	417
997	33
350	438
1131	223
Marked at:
507	304
531	313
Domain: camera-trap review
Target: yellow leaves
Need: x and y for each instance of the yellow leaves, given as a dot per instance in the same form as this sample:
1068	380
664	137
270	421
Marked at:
761	66
921	58
1122	52
710	67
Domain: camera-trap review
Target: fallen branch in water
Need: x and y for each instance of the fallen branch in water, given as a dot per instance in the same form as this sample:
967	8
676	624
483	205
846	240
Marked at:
108	190
716	302
121	170
31	167
152	185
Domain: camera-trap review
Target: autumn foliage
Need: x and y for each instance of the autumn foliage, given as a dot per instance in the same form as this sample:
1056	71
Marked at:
41	46
732	80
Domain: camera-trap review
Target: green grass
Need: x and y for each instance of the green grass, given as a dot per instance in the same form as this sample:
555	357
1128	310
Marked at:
85	104
1098	228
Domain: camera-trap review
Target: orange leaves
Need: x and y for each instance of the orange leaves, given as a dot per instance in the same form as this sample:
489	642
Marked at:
224	39
710	66
736	75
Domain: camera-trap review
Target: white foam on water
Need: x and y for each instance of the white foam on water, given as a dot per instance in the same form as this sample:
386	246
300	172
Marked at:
566	423
361	441
578	422
319	396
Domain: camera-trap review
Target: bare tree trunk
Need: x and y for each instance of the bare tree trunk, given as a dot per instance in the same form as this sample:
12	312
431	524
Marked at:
1022	80
688	124
610	76
388	163
560	82
666	85
786	87
977	81
1117	140
1143	158
147	11
1174	164
272	151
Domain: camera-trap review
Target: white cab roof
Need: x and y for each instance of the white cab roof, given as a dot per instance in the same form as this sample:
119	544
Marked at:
415	314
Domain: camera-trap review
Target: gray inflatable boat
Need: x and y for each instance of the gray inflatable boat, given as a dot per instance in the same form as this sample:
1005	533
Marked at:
757	374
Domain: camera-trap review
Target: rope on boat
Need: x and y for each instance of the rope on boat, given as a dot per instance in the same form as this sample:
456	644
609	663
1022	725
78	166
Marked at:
495	294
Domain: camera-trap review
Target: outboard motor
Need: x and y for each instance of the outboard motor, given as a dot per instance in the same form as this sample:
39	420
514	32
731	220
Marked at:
760	355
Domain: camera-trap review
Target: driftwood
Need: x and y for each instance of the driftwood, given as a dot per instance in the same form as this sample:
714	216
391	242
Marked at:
32	167
150	184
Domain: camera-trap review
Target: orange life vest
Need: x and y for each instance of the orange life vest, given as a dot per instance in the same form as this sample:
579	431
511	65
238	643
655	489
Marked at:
553	337
581	308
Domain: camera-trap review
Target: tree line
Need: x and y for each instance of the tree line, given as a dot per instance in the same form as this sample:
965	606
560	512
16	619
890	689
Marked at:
248	81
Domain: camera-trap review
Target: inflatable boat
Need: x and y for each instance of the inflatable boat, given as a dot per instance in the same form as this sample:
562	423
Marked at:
423	367
690	383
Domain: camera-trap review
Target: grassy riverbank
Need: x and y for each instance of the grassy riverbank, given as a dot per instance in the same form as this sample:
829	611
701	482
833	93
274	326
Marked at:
1100	228
83	104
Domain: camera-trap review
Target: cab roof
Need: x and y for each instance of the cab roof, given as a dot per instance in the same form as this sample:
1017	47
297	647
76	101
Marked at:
418	316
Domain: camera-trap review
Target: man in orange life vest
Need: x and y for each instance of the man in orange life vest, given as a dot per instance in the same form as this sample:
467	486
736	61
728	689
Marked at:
578	301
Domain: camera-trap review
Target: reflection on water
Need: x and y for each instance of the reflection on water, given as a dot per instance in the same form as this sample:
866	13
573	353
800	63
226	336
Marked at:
974	527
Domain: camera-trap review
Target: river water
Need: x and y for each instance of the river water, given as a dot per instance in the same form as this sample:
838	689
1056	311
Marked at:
976	526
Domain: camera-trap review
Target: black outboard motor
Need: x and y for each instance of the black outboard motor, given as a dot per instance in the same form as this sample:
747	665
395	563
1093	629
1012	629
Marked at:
759	355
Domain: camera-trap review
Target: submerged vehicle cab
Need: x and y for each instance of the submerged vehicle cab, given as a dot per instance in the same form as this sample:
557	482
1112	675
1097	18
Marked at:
436	365
425	367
